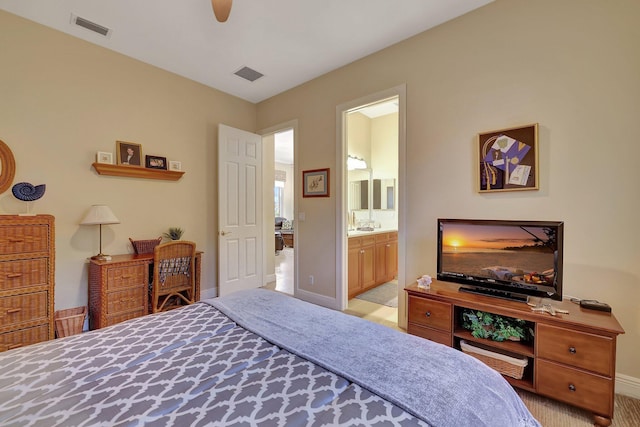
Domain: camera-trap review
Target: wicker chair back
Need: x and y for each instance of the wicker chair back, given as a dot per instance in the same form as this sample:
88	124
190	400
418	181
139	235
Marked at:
173	282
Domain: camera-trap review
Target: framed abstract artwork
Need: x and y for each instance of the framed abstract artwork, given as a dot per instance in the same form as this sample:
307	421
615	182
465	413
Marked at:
508	159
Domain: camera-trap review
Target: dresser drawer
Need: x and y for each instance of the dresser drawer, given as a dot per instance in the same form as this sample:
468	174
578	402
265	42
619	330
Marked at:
23	308
23	337
575	387
23	274
127	276
577	349
127	299
435	335
434	314
23	239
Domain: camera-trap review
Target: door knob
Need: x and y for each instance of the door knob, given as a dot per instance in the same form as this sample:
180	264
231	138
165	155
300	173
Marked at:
224	233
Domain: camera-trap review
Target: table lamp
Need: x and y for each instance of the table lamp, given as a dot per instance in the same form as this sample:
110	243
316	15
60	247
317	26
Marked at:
100	214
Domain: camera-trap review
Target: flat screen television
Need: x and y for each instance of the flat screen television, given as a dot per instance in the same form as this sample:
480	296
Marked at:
502	258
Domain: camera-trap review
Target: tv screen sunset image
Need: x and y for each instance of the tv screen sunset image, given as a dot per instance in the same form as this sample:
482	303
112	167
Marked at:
514	253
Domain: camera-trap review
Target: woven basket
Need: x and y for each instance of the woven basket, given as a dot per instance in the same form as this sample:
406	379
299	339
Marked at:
144	246
511	366
69	322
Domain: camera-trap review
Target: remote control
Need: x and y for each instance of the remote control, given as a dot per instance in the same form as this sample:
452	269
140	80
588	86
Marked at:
595	305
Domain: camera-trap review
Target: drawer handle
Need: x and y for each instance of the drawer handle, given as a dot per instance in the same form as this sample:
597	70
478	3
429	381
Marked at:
126	277
12	346
572	350
388	245
13	310
572	387
123	300
14	240
14	275
428	314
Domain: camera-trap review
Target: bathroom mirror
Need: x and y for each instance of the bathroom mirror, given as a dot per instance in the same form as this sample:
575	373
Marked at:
359	191
384	194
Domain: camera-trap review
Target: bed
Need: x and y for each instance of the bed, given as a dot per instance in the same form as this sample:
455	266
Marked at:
252	358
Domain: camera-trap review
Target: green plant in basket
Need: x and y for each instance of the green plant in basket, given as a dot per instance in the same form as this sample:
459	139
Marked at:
495	327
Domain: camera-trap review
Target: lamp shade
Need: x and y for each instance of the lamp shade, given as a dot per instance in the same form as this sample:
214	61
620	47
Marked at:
100	214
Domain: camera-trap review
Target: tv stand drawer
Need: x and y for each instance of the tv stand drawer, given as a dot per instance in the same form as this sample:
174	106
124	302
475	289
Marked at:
573	348
433	314
575	387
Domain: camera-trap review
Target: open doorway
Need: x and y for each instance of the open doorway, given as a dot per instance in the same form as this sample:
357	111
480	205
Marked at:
371	240
282	208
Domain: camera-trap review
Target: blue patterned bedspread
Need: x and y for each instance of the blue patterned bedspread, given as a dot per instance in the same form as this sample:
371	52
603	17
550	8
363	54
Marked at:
196	366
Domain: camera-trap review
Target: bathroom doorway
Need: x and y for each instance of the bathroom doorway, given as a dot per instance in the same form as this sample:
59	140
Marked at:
371	146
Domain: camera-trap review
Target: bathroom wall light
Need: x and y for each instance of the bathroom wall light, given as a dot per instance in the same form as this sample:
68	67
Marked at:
355	163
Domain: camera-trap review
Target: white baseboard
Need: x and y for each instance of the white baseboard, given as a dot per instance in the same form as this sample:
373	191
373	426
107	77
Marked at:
629	386
317	299
268	279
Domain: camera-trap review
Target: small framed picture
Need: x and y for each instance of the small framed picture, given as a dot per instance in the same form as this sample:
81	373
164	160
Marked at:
155	162
175	166
104	157
315	183
129	153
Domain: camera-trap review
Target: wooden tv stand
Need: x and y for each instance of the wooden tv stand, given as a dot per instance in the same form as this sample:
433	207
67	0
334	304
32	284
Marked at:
572	357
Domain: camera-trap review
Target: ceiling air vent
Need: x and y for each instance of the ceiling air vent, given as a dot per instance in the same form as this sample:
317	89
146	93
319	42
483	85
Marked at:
248	74
92	26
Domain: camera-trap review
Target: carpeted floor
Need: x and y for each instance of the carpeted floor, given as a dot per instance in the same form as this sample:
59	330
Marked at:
552	413
385	294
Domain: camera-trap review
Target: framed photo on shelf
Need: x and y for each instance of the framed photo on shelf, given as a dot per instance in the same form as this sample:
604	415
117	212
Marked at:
315	183
104	157
175	165
508	159
155	162
129	153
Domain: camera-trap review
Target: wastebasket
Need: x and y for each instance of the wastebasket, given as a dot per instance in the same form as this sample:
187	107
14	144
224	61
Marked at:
70	321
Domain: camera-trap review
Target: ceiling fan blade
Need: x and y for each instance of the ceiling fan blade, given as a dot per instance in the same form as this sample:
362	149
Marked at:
222	9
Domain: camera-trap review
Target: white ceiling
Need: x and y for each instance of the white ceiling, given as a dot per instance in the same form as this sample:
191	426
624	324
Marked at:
289	41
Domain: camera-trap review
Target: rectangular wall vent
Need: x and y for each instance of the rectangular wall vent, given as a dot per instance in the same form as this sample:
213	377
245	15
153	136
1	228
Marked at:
248	74
92	26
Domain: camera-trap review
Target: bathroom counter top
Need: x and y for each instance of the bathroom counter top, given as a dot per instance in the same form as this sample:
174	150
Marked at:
357	233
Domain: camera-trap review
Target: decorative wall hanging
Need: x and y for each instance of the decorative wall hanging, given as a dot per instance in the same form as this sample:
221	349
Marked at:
129	153
7	167
508	159
315	183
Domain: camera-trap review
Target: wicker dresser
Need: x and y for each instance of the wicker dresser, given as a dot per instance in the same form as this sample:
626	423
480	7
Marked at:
27	275
119	288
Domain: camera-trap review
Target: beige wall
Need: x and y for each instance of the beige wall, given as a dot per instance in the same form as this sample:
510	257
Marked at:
572	67
64	99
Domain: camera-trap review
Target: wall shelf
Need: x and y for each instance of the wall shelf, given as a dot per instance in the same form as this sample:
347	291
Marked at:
136	172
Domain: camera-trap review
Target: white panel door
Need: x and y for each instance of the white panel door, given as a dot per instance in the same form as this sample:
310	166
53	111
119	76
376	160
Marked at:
239	210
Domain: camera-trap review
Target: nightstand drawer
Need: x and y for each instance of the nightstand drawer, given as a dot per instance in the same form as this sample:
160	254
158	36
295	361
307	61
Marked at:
578	349
23	239
23	308
126	300
23	274
575	387
434	314
23	337
127	276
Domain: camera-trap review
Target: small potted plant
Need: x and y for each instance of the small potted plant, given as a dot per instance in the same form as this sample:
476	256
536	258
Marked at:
495	327
174	233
